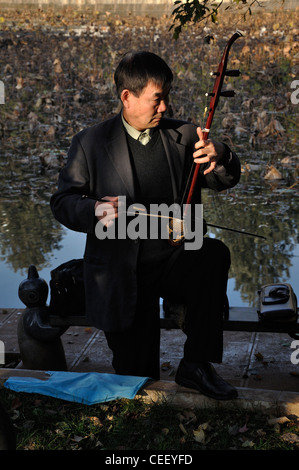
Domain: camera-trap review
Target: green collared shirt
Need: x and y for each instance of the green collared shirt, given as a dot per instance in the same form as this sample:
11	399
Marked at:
142	136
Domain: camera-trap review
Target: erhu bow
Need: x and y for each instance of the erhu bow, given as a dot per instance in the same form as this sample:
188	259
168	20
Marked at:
176	231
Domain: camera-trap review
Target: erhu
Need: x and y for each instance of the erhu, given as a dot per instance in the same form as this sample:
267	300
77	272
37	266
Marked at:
177	226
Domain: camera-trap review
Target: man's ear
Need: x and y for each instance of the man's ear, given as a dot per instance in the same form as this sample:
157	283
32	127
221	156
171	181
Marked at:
125	97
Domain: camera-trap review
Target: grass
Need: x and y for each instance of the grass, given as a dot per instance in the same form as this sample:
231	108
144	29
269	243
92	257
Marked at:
44	423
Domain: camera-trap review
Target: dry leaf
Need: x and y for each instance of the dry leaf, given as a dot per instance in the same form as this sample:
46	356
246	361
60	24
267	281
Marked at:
245	50
248	103
239	130
274	127
290	160
259	356
243	429
228	121
273	174
290	437
8	68
51	132
95	420
248	444
57	66
281	420
261	433
199	436
77	438
20	83
199	433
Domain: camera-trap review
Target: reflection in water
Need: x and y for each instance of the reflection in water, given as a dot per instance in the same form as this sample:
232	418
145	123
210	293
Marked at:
28	232
267	210
71	246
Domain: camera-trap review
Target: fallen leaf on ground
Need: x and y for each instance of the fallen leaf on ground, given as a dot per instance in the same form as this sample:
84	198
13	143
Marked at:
95	420
248	444
77	438
259	356
243	428
290	437
199	436
280	420
273	174
199	433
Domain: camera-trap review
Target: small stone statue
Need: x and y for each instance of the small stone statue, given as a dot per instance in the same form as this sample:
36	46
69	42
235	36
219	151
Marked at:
39	342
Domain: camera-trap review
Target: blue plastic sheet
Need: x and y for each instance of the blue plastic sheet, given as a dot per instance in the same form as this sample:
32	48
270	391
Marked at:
87	388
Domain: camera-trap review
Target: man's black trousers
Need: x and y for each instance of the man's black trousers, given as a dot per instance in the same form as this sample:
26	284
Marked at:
198	279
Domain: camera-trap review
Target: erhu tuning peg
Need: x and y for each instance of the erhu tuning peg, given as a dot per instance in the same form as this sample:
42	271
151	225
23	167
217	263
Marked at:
232	73
228	93
228	73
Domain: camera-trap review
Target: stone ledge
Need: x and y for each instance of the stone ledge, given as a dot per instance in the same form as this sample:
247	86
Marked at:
268	401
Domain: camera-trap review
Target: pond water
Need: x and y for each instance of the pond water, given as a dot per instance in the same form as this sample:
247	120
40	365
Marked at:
72	246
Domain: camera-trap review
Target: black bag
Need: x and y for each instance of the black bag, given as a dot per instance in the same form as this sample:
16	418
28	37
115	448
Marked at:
277	303
67	289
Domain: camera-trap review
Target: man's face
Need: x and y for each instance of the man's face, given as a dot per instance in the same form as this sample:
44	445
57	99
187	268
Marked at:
146	110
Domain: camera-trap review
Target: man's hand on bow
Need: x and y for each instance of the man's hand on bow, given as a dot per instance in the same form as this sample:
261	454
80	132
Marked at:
107	209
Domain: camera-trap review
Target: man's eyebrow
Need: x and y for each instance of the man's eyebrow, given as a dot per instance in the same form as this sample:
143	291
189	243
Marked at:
162	93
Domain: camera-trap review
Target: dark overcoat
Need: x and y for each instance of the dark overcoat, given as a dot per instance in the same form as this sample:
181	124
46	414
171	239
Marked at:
99	165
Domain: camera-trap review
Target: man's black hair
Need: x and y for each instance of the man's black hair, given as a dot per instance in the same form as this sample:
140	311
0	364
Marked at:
136	69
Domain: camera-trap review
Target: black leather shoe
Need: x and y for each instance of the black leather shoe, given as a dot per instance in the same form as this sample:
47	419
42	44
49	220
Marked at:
204	378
